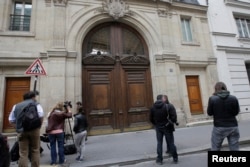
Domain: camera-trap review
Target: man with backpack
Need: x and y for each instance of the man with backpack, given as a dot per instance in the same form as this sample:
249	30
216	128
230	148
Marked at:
27	117
163	120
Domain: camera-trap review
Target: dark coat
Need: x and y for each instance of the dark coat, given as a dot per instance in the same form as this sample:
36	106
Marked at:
159	113
224	108
80	123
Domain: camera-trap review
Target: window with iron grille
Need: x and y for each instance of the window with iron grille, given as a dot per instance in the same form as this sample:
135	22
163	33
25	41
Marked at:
20	19
243	26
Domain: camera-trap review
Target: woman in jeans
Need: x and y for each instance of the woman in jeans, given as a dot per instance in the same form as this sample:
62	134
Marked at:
55	130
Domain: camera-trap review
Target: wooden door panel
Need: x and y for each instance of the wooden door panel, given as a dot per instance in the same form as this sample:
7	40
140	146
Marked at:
137	93
15	88
194	95
100	96
99	101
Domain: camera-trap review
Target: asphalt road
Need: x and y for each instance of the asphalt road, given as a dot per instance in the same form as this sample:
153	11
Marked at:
190	160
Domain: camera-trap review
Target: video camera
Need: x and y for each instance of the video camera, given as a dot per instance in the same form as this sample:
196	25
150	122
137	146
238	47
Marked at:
66	104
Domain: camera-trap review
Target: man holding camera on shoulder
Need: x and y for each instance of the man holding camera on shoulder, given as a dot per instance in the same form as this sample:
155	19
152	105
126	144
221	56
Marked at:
55	130
163	120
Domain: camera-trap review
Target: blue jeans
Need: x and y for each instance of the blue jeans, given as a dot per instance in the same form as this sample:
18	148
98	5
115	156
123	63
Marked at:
59	138
220	133
160	132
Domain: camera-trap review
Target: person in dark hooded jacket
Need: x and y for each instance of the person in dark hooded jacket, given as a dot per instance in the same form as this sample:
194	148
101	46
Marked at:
173	117
224	108
158	117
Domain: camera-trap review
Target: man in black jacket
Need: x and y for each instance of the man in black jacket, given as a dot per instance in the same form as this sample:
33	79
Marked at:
158	117
224	108
173	117
80	129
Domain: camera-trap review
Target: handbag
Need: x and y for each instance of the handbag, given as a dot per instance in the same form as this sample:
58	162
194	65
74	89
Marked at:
14	152
70	148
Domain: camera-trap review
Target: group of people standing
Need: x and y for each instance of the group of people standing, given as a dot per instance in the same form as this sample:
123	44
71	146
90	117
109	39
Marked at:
29	141
224	108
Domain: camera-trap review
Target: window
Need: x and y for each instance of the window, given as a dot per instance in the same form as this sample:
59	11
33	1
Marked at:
243	26
20	20
186	30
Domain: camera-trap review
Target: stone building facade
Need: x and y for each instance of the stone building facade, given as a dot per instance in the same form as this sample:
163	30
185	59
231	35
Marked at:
116	56
230	29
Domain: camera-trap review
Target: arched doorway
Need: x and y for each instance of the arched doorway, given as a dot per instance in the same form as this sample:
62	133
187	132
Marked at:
117	90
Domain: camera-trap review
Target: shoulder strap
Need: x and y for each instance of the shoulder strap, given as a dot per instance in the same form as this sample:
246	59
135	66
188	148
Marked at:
167	109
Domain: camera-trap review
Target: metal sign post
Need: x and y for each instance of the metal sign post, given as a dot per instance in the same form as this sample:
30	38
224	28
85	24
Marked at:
36	77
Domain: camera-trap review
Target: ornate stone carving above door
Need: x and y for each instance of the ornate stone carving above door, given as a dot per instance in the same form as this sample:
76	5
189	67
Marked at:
134	60
98	59
115	8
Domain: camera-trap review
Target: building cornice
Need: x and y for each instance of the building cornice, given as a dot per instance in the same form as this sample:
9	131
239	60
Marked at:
230	49
223	34
173	58
58	53
236	3
16	61
190	6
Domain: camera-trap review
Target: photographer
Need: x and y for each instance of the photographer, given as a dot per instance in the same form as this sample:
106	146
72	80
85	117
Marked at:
55	130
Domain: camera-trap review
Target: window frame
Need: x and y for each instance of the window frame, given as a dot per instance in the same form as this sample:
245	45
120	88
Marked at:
241	30
192	24
187	31
20	26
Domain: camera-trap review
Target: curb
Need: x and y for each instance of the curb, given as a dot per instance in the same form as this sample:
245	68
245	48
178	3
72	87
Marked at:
151	157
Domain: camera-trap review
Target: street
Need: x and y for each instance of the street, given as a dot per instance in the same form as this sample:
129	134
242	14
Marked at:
140	146
190	160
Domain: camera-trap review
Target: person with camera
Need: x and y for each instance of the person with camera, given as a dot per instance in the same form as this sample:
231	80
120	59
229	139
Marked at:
160	118
80	129
55	130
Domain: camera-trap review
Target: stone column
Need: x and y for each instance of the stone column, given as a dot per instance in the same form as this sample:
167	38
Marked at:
212	74
168	80
59	25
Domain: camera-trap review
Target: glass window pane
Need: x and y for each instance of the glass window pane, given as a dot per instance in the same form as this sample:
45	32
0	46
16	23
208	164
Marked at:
183	29
239	27
99	42
244	27
248	26
186	30
131	43
27	9
18	9
189	32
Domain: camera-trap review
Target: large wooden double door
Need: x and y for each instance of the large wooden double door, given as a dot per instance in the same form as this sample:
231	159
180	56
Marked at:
117	91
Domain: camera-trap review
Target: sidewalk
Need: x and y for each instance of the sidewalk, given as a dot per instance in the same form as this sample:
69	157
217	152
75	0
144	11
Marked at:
129	148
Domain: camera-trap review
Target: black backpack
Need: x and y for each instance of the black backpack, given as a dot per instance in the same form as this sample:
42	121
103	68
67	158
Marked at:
30	118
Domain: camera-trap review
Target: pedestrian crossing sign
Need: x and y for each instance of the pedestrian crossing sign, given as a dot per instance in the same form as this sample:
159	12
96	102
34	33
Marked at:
36	68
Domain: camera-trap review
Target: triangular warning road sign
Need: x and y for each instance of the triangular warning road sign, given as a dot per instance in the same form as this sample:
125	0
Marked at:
36	68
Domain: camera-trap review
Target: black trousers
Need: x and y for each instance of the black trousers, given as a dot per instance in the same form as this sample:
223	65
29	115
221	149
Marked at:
160	133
